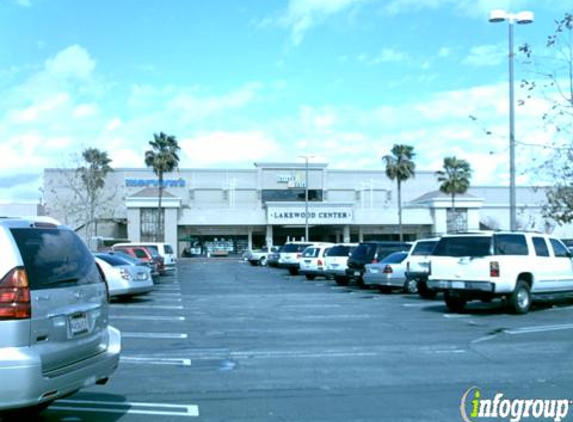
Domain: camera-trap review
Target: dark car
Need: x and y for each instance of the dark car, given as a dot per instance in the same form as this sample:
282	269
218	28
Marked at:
371	252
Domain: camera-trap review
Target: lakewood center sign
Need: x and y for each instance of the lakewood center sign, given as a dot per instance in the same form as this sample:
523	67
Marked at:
316	215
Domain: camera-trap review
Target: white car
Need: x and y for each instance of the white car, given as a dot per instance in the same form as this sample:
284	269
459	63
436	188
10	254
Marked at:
124	279
312	263
336	261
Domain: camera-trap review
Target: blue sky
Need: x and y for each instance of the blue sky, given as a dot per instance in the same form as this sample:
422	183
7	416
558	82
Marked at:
244	81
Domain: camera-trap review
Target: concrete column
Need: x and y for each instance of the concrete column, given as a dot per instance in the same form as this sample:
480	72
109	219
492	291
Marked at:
269	236
134	224
360	234
346	234
170	228
250	238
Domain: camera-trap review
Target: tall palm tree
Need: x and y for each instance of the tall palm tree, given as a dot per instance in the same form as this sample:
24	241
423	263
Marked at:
162	158
92	174
400	167
454	178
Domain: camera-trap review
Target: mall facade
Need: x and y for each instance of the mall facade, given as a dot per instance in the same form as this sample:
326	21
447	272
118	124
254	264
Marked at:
220	211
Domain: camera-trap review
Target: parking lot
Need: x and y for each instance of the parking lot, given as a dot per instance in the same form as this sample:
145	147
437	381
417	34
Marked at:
221	340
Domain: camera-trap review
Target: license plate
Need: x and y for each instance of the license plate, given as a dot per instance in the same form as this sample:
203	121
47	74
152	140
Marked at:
142	276
458	285
374	270
357	273
79	324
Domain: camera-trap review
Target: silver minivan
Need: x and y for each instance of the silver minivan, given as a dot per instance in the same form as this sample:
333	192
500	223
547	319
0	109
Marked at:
54	332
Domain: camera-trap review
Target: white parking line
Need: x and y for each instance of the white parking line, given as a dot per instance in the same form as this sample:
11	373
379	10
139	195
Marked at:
132	306
155	361
148	317
417	305
157	409
454	316
125	334
539	329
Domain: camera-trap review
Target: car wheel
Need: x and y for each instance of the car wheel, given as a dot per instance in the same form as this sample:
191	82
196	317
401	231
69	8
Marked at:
454	302
520	299
293	271
253	263
310	277
411	286
263	262
360	283
341	281
384	289
424	292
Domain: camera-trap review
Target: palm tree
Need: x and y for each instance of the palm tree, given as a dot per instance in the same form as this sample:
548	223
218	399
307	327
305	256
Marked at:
92	175
455	178
400	167
162	158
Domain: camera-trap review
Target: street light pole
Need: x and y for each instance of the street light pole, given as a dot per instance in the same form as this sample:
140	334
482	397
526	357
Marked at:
306	158
520	18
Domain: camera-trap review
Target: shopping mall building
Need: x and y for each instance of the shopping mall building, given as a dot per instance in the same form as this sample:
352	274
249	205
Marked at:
229	210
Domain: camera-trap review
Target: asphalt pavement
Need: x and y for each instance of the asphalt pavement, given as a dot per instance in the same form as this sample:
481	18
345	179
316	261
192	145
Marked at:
220	340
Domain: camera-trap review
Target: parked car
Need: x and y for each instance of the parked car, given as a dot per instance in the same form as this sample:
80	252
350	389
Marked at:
370	252
290	255
165	250
260	256
312	263
516	266
145	254
124	279
418	267
273	257
54	332
336	262
388	274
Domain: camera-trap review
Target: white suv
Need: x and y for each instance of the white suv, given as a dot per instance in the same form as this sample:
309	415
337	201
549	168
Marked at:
312	263
516	266
54	332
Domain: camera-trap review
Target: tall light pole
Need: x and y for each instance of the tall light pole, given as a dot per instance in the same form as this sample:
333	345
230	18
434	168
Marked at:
306	158
520	18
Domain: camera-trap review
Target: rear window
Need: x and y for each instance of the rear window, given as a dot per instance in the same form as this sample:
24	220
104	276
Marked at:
463	246
140	253
311	252
339	250
55	258
387	250
112	260
294	247
364	250
395	258
424	248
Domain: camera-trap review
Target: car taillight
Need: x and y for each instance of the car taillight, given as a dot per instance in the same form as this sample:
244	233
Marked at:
298	256
15	295
494	269
124	274
374	261
319	263
388	270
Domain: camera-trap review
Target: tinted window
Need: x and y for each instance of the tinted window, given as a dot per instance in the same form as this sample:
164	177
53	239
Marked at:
384	251
559	249
140	253
293	247
168	249
364	250
463	246
112	260
310	252
55	258
510	244
395	258
540	246
424	248
339	250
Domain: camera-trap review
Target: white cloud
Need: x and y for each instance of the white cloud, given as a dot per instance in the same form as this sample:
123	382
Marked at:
219	148
114	124
85	110
486	55
301	15
73	62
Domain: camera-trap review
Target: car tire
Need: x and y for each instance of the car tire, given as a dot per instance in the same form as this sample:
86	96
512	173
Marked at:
341	281
310	277
424	292
293	271
454	303
360	283
411	286
520	299
384	289
263	262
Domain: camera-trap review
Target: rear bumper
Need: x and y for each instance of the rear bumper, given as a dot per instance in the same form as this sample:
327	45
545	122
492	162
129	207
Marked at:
313	271
381	280
128	291
28	386
462	286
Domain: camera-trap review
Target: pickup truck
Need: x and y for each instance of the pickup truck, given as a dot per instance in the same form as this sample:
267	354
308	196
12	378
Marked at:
259	256
515	266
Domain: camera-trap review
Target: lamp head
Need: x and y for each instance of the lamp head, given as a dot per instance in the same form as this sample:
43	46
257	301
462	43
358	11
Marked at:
523	18
498	15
